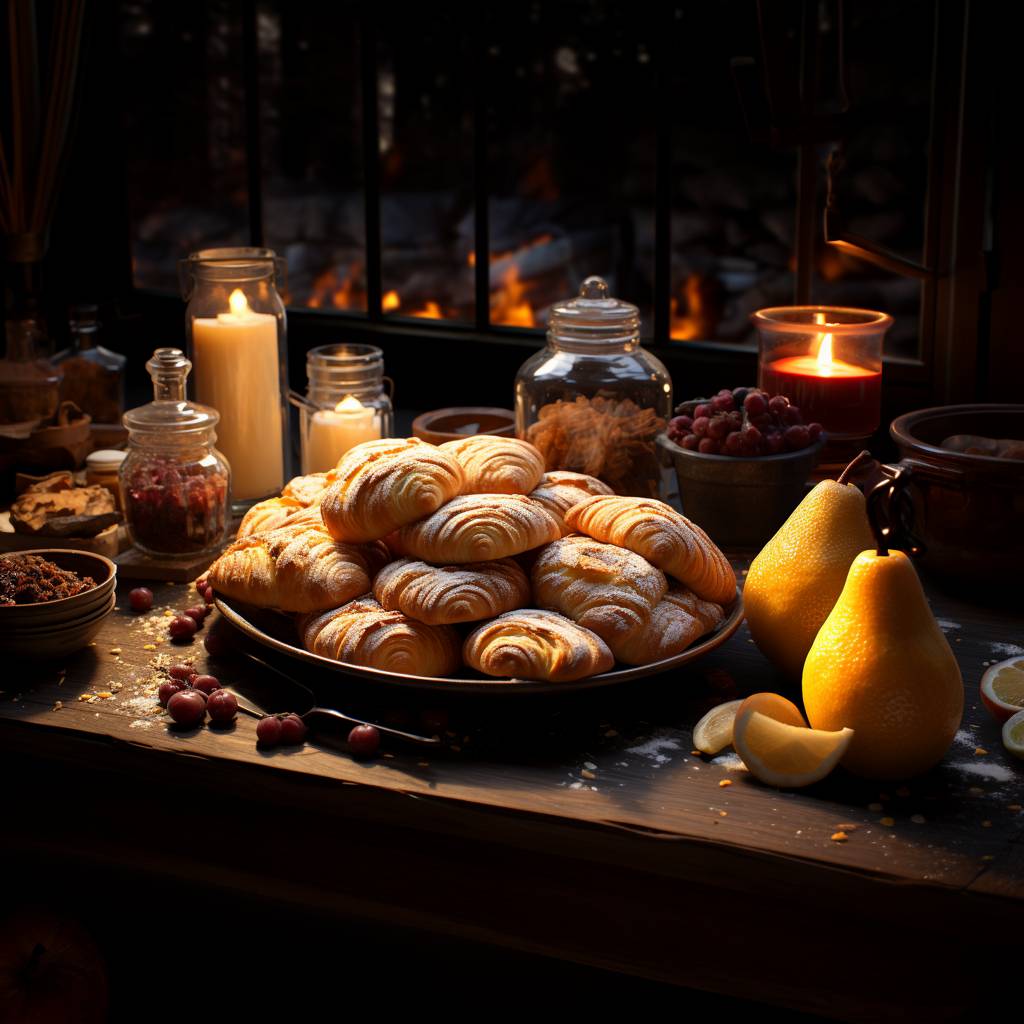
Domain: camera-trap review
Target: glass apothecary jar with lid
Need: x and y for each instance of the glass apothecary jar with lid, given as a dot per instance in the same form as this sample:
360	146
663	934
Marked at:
593	400
347	401
237	341
175	485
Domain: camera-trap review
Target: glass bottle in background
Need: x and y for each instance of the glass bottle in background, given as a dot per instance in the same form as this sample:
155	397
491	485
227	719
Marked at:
93	375
175	485
593	400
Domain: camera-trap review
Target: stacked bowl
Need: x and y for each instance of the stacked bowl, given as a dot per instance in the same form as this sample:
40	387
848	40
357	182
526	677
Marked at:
51	629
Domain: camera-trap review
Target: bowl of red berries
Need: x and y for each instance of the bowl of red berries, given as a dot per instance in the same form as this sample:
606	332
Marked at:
742	459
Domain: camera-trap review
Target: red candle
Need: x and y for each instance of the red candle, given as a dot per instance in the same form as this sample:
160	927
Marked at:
845	399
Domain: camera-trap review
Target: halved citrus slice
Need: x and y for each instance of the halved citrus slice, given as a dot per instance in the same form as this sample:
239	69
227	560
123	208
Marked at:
1002	688
714	731
787	755
1013	734
774	706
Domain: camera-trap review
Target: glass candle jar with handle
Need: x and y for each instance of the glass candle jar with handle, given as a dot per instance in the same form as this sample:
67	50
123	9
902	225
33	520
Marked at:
235	322
346	403
827	360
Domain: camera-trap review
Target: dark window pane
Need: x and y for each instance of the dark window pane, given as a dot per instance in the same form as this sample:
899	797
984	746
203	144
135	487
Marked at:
185	132
570	91
312	152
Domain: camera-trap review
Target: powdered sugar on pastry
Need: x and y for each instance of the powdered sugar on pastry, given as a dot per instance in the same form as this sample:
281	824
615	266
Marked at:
605	588
559	491
676	622
664	537
308	489
479	528
269	515
534	644
381	485
496	465
447	594
363	633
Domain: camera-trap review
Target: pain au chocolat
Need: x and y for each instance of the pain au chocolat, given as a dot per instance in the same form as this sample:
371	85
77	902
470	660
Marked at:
604	588
363	633
560	490
479	528
663	536
678	619
381	485
534	644
446	594
298	567
496	465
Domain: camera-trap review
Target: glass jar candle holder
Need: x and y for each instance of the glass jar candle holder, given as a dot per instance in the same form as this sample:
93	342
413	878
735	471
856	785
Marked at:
347	402
237	341
827	360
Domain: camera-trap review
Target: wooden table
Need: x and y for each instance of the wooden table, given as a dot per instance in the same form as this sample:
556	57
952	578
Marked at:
583	829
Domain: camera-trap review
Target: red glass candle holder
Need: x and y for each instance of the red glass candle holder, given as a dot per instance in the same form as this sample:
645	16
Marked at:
828	361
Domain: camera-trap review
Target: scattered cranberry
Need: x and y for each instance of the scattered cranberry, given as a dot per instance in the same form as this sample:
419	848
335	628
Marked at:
208	595
140	599
182	672
293	729
188	707
268	731
222	706
198	613
168	690
182	628
206	684
202	583
364	741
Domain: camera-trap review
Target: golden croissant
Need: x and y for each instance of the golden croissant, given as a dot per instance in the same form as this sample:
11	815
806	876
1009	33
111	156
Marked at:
363	633
308	489
560	490
496	465
479	528
452	593
298	567
381	485
678	619
268	515
605	588
535	644
664	537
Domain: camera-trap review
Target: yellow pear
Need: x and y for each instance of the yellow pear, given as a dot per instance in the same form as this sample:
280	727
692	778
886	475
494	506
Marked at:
881	666
798	575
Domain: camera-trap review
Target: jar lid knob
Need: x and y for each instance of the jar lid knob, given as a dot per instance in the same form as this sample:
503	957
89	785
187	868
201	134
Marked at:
594	288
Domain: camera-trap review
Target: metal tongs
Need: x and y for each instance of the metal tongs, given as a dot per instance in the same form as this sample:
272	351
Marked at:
246	705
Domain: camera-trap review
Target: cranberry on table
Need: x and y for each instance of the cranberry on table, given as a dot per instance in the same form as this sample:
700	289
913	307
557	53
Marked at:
219	641
364	741
182	672
187	707
168	690
268	731
198	613
207	684
182	628
293	729
140	599
222	706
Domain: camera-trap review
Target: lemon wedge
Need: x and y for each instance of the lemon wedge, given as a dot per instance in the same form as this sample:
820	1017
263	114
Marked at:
786	755
714	731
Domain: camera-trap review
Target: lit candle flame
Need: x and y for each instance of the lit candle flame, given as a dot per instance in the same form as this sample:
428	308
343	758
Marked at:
238	303
391	301
824	348
349	404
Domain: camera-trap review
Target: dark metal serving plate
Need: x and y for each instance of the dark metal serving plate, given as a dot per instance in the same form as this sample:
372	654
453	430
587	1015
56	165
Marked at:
277	632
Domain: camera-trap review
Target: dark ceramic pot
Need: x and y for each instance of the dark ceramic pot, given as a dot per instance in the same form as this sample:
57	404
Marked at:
963	513
739	502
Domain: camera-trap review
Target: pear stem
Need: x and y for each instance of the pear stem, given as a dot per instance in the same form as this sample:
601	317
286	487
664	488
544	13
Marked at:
878	500
856	464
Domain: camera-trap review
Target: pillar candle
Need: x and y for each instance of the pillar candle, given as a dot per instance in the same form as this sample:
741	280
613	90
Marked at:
236	371
333	431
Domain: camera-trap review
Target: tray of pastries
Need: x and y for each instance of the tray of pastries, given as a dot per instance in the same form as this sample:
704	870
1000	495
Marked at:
467	567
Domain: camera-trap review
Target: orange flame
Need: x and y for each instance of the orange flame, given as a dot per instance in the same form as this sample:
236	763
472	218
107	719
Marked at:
391	301
509	305
692	320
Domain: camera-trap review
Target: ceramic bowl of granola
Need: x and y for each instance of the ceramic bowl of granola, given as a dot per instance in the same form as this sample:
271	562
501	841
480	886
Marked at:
53	601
